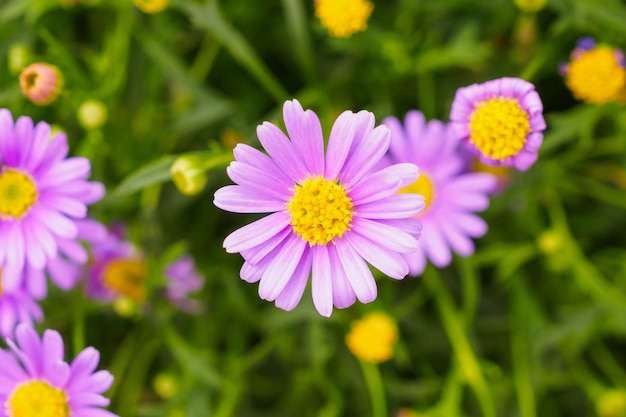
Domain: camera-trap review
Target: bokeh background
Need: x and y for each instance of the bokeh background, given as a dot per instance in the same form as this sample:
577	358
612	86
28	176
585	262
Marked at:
532	325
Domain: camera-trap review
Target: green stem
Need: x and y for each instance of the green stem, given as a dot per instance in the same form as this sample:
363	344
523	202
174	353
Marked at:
471	289
426	94
587	275
520	349
375	387
607	363
78	326
297	27
205	58
453	326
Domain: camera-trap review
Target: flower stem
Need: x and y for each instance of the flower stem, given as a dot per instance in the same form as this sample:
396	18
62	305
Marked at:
375	387
453	326
520	348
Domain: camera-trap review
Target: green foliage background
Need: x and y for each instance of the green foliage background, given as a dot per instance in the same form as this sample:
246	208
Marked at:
532	325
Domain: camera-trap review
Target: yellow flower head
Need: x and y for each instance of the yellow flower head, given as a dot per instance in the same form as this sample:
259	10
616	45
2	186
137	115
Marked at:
151	6
596	74
612	403
342	18
373	338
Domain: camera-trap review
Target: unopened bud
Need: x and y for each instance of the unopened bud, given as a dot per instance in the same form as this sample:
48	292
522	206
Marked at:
92	114
41	83
189	175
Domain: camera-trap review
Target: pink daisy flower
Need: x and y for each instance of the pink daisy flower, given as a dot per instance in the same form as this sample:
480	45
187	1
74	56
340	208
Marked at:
43	200
501	121
36	381
16	307
117	269
451	195
182	279
331	211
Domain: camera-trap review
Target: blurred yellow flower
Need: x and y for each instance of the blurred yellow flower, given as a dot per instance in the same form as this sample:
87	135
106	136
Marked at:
373	338
596	74
41	83
342	18
612	403
151	6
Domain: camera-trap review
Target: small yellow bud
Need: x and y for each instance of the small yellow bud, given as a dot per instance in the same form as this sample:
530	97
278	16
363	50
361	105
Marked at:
18	57
151	6
550	241
612	403
188	174
165	385
92	114
125	306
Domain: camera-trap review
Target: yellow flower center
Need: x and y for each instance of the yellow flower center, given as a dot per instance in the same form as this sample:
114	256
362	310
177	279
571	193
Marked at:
37	399
342	18
127	277
422	186
0	281
596	76
373	338
320	210
499	127
17	193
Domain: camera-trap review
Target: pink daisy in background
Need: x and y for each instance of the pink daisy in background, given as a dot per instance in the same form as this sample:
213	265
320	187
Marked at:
36	381
331	211
117	269
451	195
16	307
43	199
182	279
501	121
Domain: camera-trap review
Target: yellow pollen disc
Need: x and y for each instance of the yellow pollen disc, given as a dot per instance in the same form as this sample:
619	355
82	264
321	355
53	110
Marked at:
423	186
499	127
596	76
127	277
373	338
342	18
320	210
17	193
37	399
0	281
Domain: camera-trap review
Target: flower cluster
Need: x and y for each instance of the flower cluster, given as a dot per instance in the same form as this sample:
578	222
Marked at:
371	193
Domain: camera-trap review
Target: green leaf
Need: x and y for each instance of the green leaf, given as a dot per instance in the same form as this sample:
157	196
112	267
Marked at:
154	173
209	18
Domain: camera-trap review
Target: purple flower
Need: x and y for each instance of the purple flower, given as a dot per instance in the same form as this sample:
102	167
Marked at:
16	307
451	196
43	201
34	377
330	211
117	269
500	120
182	279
